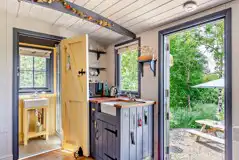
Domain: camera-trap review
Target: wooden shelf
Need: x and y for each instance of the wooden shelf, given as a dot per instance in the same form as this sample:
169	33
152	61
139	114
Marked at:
98	69
97	52
152	66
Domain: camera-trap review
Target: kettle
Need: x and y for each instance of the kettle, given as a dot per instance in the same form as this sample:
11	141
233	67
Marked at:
113	91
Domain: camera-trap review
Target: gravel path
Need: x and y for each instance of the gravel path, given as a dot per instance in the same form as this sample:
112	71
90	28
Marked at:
184	147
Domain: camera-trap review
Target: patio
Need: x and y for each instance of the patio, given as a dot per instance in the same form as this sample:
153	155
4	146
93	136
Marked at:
184	147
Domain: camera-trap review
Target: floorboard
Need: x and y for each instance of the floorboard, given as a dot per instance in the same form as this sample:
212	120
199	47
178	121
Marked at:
57	155
39	145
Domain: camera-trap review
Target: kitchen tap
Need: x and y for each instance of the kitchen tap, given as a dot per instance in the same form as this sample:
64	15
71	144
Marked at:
131	96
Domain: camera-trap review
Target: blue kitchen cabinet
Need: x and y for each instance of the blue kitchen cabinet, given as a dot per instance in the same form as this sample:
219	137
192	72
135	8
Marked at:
126	136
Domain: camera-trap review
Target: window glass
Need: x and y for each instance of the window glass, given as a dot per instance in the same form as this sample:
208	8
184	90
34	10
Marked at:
26	79
26	62
40	63
35	73
40	79
128	75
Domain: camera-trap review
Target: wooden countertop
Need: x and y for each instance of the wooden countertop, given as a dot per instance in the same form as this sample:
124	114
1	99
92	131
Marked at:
124	99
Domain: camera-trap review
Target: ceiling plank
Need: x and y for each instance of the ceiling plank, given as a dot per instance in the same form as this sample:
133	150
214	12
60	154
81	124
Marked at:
174	15
59	7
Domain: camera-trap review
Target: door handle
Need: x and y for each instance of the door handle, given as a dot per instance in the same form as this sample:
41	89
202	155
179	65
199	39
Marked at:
81	72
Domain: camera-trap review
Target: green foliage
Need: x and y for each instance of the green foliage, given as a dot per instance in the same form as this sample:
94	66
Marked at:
190	68
182	118
32	66
211	36
191	50
129	71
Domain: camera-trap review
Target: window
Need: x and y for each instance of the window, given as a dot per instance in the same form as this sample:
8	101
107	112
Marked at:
36	72
128	77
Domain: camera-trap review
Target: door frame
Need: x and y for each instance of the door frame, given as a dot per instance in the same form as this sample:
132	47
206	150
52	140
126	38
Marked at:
226	15
15	80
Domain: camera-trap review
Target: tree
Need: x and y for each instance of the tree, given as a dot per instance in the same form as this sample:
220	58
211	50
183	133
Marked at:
129	71
190	68
212	37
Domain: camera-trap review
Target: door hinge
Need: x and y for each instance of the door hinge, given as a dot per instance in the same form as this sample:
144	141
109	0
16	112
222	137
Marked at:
114	132
167	150
166	93
167	116
18	71
110	157
167	47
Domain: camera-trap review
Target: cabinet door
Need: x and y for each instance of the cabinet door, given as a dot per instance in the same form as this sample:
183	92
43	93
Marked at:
105	141
133	136
110	135
98	139
145	132
139	133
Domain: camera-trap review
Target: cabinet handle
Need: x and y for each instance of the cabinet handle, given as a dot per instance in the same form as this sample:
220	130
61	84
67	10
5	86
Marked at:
132	138
145	117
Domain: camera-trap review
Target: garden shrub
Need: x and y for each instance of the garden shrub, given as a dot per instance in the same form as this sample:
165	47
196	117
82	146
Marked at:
182	118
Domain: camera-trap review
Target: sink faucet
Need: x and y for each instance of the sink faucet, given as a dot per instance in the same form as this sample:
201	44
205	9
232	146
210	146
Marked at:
131	96
36	93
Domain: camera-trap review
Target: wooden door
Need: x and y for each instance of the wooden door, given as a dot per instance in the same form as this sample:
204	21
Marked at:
74	93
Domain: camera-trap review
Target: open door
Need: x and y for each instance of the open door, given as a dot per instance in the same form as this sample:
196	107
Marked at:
167	96
74	93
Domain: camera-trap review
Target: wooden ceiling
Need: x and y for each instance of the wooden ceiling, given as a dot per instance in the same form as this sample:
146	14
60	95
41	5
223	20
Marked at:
135	15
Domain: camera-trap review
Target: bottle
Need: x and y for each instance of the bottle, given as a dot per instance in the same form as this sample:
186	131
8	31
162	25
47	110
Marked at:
106	89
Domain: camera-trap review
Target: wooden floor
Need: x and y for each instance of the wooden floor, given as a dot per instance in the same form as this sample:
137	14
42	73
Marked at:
57	155
39	145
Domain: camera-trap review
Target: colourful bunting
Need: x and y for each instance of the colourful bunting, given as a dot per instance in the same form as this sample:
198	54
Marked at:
77	12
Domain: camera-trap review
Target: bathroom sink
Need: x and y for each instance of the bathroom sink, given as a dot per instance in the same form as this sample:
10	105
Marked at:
109	107
36	102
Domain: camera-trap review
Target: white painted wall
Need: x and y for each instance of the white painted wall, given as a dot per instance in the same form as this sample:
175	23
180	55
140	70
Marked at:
6	52
149	84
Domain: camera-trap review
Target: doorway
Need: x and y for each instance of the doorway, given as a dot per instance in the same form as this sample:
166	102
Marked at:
195	89
35	77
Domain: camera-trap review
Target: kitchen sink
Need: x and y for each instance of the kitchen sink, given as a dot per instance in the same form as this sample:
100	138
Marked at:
109	107
35	103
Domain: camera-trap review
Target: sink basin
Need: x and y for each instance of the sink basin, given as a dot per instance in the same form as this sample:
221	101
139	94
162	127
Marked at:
36	102
108	107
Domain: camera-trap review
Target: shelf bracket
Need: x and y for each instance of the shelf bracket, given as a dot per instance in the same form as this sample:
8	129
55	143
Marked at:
98	56
152	66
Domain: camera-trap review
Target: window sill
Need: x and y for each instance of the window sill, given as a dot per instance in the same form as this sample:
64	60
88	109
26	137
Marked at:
30	92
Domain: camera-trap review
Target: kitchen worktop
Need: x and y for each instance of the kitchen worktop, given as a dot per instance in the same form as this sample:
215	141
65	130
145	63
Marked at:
120	99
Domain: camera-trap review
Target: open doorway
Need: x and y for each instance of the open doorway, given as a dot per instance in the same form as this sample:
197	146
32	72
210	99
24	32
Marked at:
36	94
195	89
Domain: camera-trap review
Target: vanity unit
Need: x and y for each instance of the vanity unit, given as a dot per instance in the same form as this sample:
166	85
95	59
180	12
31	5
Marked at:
33	104
121	129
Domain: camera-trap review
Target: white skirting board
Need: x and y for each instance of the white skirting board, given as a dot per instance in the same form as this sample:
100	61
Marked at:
7	157
4	149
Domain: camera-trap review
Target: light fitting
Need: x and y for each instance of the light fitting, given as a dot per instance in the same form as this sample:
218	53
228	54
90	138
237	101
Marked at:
189	6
